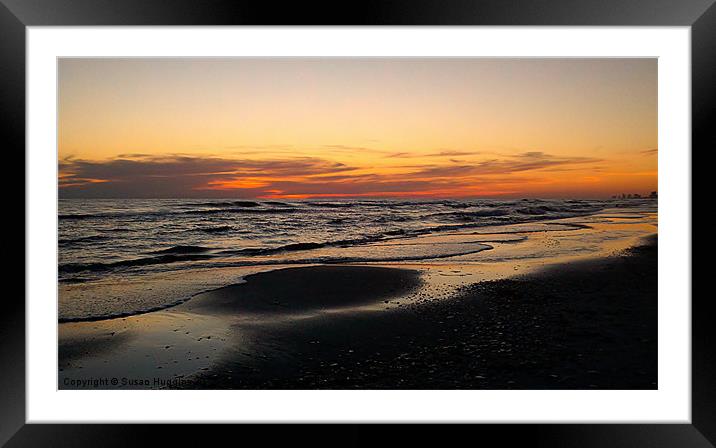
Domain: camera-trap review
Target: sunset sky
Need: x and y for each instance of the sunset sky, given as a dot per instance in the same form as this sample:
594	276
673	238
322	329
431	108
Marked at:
354	127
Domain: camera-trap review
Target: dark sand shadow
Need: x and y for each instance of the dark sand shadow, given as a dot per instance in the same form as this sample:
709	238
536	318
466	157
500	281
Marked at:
304	289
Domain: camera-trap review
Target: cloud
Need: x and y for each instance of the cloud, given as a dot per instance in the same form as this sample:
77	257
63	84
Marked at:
446	153
650	152
120	169
177	175
180	175
529	161
133	155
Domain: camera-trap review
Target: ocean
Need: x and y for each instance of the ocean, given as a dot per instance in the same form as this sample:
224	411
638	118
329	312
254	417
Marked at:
122	257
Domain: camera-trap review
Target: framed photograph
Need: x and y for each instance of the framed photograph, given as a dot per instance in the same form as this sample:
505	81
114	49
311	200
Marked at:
384	213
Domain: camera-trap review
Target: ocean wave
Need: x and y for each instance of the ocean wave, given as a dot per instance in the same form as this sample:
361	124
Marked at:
73	268
82	239
519	212
472	215
183	253
229	204
182	250
103	240
311	245
174	235
393	218
214	229
332	204
538	210
274	250
73	216
110	215
470	248
215	211
212	208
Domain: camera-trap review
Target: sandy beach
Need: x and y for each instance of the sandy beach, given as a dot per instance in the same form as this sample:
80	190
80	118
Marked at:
588	324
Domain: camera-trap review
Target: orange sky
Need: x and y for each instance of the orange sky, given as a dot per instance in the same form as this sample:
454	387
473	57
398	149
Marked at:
336	127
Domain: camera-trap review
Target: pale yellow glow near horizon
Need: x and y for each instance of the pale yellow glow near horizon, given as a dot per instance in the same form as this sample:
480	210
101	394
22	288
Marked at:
590	125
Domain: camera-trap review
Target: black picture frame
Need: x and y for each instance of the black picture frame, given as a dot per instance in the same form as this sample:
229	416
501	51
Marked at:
16	15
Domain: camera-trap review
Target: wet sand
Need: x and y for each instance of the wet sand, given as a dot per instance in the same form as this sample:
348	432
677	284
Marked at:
588	325
584	324
165	348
